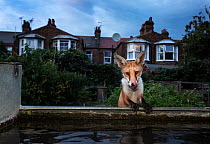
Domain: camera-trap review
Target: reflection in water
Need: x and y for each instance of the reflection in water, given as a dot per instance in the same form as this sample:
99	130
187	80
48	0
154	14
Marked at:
107	132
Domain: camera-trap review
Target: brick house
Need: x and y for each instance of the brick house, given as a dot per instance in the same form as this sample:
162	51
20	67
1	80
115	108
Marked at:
99	49
44	38
161	50
7	37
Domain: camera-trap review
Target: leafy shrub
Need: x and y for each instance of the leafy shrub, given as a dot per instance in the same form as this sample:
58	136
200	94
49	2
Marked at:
105	74
159	96
44	84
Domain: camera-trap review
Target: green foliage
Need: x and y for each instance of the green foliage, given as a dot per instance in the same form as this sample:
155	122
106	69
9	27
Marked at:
159	96
165	74
3	51
105	74
197	55
74	61
113	99
44	84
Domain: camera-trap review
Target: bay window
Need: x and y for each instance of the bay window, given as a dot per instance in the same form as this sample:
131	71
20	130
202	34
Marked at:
134	49
167	52
32	44
64	44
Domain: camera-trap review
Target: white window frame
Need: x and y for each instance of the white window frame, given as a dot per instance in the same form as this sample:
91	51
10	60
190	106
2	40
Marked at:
71	44
32	44
89	54
132	48
164	51
107	57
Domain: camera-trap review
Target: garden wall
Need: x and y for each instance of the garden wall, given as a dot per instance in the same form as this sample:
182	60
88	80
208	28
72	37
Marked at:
10	91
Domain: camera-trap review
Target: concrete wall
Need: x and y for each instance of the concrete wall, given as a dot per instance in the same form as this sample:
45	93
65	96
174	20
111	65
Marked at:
10	90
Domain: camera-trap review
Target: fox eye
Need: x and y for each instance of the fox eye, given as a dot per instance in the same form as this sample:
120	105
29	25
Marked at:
127	73
136	72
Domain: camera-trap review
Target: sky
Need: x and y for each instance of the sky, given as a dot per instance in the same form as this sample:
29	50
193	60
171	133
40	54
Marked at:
80	17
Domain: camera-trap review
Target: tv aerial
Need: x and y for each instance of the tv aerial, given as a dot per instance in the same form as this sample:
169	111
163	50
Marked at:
116	37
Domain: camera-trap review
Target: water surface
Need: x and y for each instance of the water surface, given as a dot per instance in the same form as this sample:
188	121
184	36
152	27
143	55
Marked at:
106	132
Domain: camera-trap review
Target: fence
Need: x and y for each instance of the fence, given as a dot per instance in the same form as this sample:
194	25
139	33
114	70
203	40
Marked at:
10	90
197	87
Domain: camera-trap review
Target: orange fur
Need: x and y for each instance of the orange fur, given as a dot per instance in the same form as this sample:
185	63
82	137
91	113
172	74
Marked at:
132	85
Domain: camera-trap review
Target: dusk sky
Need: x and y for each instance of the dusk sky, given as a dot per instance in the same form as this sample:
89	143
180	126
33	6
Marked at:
80	17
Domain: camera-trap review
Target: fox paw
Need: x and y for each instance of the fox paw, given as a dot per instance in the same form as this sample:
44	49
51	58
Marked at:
147	108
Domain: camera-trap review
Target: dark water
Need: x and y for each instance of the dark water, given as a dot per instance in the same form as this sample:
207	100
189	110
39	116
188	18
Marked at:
106	132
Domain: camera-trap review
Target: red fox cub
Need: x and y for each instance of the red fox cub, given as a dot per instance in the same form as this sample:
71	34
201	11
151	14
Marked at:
132	84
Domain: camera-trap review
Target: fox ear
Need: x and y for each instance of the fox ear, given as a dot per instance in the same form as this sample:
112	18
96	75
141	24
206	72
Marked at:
120	60
140	58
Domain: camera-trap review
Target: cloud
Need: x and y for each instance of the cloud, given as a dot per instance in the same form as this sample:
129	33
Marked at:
79	17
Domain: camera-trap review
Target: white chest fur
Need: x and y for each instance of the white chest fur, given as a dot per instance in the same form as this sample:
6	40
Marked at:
133	95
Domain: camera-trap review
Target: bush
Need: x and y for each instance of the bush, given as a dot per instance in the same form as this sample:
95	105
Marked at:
44	84
159	96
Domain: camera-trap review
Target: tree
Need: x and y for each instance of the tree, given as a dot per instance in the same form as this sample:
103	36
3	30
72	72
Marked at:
3	51
196	52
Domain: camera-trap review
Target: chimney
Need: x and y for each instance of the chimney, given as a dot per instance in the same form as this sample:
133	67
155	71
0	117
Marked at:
97	32
147	27
49	22
26	26
142	30
165	33
53	23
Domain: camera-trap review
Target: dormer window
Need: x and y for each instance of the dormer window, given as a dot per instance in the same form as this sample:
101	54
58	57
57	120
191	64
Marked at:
64	42
135	46
166	51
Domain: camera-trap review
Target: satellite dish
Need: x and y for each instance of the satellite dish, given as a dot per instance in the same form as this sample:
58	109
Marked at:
116	37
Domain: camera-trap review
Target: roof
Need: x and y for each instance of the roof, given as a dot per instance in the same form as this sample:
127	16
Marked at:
31	36
104	42
49	29
167	41
8	37
108	42
154	67
137	40
64	37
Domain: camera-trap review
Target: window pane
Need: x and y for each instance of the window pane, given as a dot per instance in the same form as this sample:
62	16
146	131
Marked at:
160	49
107	54
73	44
136	54
64	45
138	47
107	60
169	56
160	56
130	55
131	49
169	48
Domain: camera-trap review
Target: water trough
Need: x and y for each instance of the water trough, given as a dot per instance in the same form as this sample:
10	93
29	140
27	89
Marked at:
77	112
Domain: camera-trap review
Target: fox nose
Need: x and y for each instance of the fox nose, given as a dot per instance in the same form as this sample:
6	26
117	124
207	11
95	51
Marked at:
134	84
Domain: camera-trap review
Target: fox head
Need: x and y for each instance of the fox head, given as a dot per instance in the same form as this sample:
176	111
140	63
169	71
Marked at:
131	70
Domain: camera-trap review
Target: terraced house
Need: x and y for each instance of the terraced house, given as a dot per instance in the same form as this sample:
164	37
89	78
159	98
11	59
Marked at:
161	50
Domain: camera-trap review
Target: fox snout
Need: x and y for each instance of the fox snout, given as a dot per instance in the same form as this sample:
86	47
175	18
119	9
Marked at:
133	85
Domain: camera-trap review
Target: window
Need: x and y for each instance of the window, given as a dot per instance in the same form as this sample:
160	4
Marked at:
40	44
64	45
134	49
31	43
73	44
89	54
167	53
107	57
